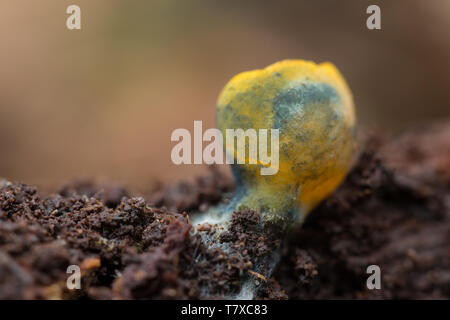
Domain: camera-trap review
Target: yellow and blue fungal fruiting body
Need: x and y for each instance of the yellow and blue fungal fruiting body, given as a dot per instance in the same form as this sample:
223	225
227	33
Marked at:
312	107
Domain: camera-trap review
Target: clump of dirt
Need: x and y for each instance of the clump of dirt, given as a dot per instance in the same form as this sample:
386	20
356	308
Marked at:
393	211
196	195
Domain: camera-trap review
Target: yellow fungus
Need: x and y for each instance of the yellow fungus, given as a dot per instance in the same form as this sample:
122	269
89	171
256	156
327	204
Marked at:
312	107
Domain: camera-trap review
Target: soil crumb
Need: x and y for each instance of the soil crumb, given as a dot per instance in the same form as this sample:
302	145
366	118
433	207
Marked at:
393	211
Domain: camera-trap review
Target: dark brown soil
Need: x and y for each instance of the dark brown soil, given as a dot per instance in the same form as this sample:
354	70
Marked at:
393	210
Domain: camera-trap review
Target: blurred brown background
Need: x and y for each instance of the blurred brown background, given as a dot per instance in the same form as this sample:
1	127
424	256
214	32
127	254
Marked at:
103	101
